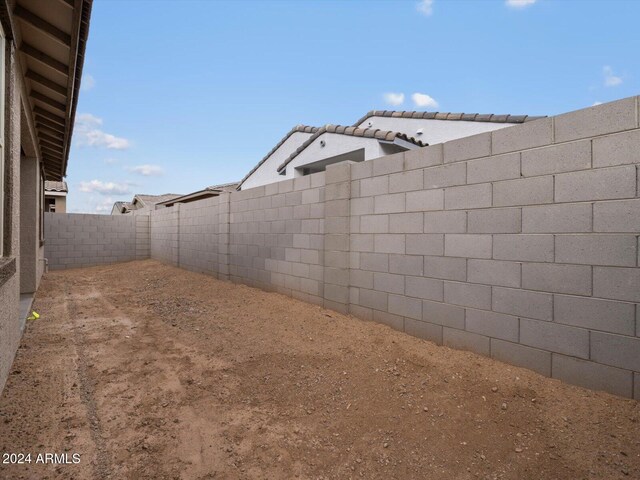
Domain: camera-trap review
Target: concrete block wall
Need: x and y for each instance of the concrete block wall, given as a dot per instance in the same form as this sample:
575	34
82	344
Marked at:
81	240
521	244
143	240
164	228
204	232
336	240
276	239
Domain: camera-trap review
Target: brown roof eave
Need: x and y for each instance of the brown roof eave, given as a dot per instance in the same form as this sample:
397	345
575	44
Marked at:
370	133
83	19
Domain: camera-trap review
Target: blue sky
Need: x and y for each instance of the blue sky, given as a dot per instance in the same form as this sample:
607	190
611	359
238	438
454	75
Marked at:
178	95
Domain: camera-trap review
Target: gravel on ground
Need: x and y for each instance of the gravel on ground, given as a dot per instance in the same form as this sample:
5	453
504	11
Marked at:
152	372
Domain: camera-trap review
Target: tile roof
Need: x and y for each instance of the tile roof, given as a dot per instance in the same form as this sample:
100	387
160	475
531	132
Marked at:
51	186
468	117
224	187
475	117
297	128
212	191
353	131
150	200
121	205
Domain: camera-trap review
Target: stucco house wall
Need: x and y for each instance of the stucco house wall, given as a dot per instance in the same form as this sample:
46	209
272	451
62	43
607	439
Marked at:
10	326
60	202
334	144
267	172
29	224
22	263
428	131
27	158
434	131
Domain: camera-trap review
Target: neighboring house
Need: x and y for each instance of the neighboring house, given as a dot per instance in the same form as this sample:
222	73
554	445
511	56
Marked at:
335	143
213	191
42	45
120	208
55	196
141	203
435	127
266	171
305	150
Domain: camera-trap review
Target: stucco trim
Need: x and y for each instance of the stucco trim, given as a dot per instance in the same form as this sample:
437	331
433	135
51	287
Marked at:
7	269
376	133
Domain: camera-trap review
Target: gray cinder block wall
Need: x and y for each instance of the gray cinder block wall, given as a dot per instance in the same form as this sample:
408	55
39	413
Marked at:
82	240
276	237
164	228
521	244
203	236
143	237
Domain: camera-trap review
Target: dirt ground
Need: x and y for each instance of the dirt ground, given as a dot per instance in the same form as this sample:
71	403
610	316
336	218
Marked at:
151	372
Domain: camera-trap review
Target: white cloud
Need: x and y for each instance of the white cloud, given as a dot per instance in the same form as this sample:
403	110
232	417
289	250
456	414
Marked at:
105	188
147	170
104	206
394	99
86	119
519	3
98	138
595	104
87	82
88	134
424	101
425	7
610	80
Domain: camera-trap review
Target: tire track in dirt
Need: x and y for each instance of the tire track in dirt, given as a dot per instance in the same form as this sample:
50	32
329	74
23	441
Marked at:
191	378
141	375
103	467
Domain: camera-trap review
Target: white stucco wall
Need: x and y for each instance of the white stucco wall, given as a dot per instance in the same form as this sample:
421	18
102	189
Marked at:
268	171
434	131
335	144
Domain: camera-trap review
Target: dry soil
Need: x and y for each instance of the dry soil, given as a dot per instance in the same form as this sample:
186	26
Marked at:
151	372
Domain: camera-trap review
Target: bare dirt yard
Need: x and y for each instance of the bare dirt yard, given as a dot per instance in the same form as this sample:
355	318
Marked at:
151	372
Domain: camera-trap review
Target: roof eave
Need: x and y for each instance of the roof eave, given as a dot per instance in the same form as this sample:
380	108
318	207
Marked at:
296	129
50	39
83	34
365	133
401	142
207	192
469	117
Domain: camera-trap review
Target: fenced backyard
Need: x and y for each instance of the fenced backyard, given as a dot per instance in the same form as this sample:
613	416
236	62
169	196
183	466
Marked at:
519	244
317	327
153	372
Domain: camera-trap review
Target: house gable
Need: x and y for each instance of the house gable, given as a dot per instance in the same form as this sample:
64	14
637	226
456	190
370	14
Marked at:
266	171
